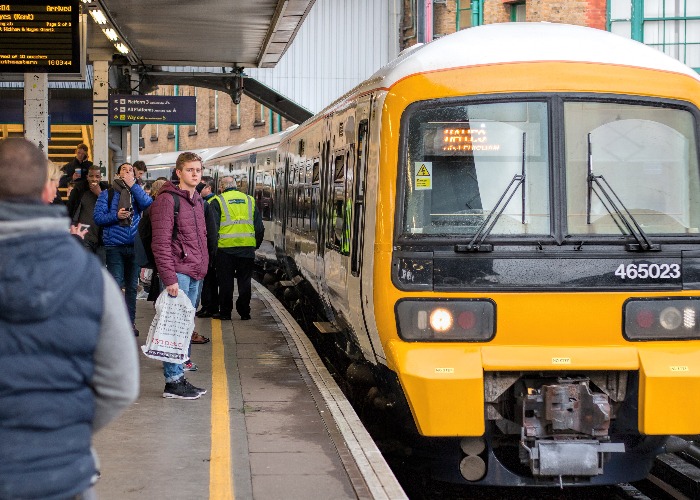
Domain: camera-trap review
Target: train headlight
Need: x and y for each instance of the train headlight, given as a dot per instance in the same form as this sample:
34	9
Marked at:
465	320
670	318
661	319
441	320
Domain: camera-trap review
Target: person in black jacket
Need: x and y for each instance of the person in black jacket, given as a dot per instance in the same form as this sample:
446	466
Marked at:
80	163
81	207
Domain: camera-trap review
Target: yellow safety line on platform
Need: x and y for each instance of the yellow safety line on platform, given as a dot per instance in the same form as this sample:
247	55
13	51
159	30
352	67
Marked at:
220	471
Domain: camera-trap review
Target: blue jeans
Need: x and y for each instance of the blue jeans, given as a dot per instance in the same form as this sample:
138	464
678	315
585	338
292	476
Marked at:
192	288
122	266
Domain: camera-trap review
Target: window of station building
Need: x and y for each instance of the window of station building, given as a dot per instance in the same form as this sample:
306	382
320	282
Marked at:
259	115
154	132
517	12
235	116
671	26
469	13
214	111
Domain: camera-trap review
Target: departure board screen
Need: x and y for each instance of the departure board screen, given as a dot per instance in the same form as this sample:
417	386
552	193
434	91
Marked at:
39	36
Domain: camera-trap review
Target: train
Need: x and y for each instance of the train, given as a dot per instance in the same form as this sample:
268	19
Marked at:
537	320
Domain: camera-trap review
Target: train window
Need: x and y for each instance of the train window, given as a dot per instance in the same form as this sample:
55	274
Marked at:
336	221
460	161
316	175
339	168
647	157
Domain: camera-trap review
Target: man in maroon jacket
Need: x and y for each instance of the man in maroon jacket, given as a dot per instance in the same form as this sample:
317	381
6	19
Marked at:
182	261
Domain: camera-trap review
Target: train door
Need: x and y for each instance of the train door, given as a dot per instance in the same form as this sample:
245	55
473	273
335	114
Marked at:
356	233
280	208
337	229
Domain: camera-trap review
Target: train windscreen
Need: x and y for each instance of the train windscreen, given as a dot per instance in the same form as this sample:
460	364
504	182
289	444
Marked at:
466	162
643	156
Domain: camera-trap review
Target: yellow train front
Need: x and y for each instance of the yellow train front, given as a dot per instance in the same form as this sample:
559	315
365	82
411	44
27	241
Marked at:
535	259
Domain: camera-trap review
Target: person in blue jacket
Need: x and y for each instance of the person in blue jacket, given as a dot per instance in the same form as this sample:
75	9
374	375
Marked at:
118	211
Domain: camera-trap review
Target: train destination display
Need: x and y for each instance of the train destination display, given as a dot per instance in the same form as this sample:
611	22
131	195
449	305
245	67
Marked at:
39	36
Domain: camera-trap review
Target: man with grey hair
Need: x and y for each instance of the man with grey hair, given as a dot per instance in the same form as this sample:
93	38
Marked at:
68	353
226	182
241	232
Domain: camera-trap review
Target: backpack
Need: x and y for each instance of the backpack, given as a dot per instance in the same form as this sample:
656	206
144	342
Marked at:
143	253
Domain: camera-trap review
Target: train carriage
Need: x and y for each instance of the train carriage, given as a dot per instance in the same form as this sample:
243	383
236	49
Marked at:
505	222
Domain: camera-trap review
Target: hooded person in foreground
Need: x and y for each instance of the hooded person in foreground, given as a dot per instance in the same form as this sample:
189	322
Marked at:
67	349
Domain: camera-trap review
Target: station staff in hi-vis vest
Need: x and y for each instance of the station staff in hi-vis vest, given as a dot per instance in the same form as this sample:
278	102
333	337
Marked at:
241	232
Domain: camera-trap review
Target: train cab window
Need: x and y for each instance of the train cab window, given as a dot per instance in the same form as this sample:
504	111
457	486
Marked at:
463	162
641	155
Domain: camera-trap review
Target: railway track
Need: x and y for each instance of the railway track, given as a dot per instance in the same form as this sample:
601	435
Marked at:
674	476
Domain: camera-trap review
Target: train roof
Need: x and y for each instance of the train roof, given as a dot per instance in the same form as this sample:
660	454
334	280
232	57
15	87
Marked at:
520	42
168	159
252	145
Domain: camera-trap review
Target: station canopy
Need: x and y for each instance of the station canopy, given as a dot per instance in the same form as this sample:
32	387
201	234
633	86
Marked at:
208	42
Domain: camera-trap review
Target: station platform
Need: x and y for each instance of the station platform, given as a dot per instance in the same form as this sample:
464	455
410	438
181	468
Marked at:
272	425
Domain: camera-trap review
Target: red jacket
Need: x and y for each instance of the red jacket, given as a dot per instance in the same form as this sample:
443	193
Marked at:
187	254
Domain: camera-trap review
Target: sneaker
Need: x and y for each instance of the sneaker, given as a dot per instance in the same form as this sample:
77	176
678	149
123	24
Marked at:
189	366
180	390
198	389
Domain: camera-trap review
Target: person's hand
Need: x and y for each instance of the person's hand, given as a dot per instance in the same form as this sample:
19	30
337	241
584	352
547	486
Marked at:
173	289
127	176
76	230
95	188
123	213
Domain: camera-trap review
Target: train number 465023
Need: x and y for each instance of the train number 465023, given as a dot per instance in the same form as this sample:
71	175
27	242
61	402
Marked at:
645	271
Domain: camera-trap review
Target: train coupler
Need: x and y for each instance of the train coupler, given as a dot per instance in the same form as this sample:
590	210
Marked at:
565	430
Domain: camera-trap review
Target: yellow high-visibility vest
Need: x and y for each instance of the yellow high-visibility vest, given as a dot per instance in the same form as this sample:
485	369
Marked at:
237	228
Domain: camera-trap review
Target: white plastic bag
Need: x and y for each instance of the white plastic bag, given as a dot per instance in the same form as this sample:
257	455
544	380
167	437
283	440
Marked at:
171	328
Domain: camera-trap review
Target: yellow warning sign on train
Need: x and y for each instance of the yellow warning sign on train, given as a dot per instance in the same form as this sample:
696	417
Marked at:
424	175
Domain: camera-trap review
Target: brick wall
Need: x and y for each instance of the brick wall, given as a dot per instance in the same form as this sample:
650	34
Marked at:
557	11
444	18
495	11
596	15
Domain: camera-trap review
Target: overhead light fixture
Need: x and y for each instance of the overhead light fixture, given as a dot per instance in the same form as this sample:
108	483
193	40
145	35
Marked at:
111	34
98	16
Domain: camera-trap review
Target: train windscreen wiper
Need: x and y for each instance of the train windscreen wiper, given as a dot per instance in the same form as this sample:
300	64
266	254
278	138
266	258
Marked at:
621	216
477	242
